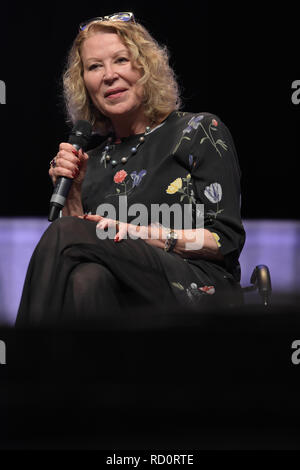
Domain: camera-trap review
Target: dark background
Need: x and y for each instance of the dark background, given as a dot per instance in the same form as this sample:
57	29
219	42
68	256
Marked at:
235	61
238	62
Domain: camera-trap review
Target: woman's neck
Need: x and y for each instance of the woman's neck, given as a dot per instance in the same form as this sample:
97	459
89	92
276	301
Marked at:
124	126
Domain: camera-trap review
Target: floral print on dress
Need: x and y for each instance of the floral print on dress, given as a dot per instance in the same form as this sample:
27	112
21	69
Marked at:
183	186
192	162
137	177
120	176
208	289
124	188
193	124
175	186
217	238
193	292
213	193
213	127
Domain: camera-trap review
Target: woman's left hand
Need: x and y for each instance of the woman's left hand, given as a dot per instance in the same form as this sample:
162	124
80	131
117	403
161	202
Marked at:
123	229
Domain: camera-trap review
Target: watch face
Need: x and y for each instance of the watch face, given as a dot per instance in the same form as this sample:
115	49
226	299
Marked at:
172	235
171	240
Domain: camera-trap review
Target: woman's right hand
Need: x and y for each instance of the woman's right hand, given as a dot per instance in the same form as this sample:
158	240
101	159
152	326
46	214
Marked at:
69	163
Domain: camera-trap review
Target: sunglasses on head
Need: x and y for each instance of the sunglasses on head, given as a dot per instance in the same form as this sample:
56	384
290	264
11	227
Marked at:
123	16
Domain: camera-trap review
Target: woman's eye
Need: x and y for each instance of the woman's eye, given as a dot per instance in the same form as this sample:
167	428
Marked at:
94	66
122	59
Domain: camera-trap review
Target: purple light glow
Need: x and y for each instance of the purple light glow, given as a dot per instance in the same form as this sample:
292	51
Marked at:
277	244
18	238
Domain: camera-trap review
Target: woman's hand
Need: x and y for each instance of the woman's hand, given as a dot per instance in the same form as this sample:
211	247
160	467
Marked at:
72	164
154	234
69	163
122	229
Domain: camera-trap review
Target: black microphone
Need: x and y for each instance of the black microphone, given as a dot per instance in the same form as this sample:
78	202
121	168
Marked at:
79	138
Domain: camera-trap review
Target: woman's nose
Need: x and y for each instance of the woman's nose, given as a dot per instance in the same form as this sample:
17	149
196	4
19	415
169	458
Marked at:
110	73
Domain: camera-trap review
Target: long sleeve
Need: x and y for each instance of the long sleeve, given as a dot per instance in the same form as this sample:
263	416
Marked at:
208	150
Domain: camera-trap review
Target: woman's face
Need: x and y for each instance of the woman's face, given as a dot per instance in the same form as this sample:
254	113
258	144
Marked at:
109	76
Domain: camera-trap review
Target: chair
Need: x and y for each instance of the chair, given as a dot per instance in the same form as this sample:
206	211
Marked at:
261	280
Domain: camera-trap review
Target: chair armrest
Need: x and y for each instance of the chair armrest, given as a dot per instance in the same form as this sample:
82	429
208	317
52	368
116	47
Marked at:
261	279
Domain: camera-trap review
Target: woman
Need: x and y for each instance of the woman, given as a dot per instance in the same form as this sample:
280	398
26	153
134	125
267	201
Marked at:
95	261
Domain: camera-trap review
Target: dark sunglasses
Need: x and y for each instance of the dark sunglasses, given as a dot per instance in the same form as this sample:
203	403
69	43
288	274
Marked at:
123	16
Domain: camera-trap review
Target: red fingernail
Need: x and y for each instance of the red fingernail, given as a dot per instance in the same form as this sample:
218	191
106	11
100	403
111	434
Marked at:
75	152
116	239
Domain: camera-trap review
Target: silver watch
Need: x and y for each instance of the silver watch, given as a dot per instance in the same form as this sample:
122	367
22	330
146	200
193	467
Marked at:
171	240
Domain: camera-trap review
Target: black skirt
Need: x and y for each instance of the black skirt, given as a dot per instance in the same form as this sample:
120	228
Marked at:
73	276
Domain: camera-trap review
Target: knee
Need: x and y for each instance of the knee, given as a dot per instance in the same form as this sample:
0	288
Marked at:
89	276
68	230
64	223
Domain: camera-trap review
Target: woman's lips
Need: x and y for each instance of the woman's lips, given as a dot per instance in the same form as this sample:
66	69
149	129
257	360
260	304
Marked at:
114	94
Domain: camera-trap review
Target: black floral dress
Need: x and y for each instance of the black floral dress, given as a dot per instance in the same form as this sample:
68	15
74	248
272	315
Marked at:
187	164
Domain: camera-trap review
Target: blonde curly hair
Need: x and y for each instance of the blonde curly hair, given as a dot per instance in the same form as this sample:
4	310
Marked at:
161	91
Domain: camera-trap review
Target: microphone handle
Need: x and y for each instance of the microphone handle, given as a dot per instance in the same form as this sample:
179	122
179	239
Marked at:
60	194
